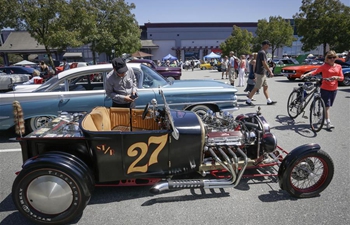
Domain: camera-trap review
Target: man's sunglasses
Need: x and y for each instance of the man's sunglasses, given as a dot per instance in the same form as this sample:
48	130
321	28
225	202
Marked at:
331	57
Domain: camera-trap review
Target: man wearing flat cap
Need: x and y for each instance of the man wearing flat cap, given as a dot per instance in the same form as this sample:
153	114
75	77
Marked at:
121	85
261	68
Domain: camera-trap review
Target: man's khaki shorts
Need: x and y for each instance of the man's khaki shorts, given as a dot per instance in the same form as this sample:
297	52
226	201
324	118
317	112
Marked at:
260	81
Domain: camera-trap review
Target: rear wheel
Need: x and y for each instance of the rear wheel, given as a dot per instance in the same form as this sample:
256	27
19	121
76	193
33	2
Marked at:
52	188
170	79
294	104
34	123
200	110
309	174
317	114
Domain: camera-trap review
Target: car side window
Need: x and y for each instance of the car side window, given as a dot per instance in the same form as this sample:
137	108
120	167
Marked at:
85	82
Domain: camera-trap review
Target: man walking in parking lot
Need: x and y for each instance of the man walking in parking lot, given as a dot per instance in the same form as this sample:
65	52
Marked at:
261	67
231	68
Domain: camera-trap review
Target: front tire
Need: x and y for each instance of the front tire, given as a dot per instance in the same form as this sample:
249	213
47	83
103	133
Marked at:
53	188
309	174
317	114
294	105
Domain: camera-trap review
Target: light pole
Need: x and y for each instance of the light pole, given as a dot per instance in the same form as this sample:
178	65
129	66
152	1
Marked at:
113	52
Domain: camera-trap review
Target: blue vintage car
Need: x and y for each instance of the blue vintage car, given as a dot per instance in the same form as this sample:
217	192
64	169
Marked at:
78	90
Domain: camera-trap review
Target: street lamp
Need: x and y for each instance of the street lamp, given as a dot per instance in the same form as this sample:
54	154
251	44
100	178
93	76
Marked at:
113	52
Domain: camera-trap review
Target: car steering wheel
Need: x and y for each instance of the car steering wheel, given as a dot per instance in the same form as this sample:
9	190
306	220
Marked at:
145	111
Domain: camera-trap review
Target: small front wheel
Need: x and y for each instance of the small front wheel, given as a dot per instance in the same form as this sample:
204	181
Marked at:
309	174
294	104
317	114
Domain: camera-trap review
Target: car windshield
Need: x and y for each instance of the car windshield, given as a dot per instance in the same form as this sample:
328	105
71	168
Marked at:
47	84
151	79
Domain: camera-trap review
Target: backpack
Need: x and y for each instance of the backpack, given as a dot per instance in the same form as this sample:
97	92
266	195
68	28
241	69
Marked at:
236	64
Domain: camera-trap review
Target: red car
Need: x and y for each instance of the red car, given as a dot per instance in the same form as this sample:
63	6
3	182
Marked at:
173	73
293	72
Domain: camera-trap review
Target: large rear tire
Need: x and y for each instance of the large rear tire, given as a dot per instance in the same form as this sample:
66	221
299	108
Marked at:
53	188
309	174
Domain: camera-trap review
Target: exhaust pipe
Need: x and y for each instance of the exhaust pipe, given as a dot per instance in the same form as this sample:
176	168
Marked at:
202	183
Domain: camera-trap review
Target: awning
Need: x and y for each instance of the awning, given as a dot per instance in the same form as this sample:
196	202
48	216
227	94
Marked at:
216	48
148	44
73	55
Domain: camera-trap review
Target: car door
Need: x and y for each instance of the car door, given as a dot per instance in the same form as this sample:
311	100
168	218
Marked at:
80	92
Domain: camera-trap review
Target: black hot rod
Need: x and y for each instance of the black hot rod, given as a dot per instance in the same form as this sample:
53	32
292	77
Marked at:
169	149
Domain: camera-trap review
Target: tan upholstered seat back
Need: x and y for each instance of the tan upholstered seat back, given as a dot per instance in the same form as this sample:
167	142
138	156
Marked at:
101	118
138	122
88	123
120	117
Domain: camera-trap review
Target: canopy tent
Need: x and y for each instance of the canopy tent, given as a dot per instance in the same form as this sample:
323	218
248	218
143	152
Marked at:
24	63
169	57
140	54
212	55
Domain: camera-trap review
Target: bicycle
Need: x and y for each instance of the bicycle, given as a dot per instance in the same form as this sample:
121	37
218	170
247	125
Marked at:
301	96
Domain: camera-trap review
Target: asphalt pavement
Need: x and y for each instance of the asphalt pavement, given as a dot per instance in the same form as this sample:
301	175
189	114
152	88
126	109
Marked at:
253	201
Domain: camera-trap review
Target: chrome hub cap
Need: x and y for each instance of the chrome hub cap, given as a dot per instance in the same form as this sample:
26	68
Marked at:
49	194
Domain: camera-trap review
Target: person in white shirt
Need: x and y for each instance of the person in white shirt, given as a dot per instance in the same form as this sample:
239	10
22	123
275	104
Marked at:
66	65
36	79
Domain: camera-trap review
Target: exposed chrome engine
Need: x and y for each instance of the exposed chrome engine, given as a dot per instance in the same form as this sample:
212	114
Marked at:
231	145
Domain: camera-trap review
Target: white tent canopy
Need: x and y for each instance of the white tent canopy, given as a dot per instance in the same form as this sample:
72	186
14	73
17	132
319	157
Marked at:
212	55
24	62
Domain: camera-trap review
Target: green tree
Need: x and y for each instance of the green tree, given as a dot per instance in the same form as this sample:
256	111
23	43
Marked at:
112	27
104	24
323	22
239	41
54	24
278	31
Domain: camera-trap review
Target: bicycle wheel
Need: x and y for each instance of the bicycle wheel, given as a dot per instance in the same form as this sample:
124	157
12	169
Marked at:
317	114
294	105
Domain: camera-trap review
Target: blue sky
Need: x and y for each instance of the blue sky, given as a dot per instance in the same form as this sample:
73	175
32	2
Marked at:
162	11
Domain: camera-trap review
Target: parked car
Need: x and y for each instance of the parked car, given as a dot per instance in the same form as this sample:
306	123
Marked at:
8	81
280	63
16	70
72	65
346	72
172	73
294	72
71	90
210	66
